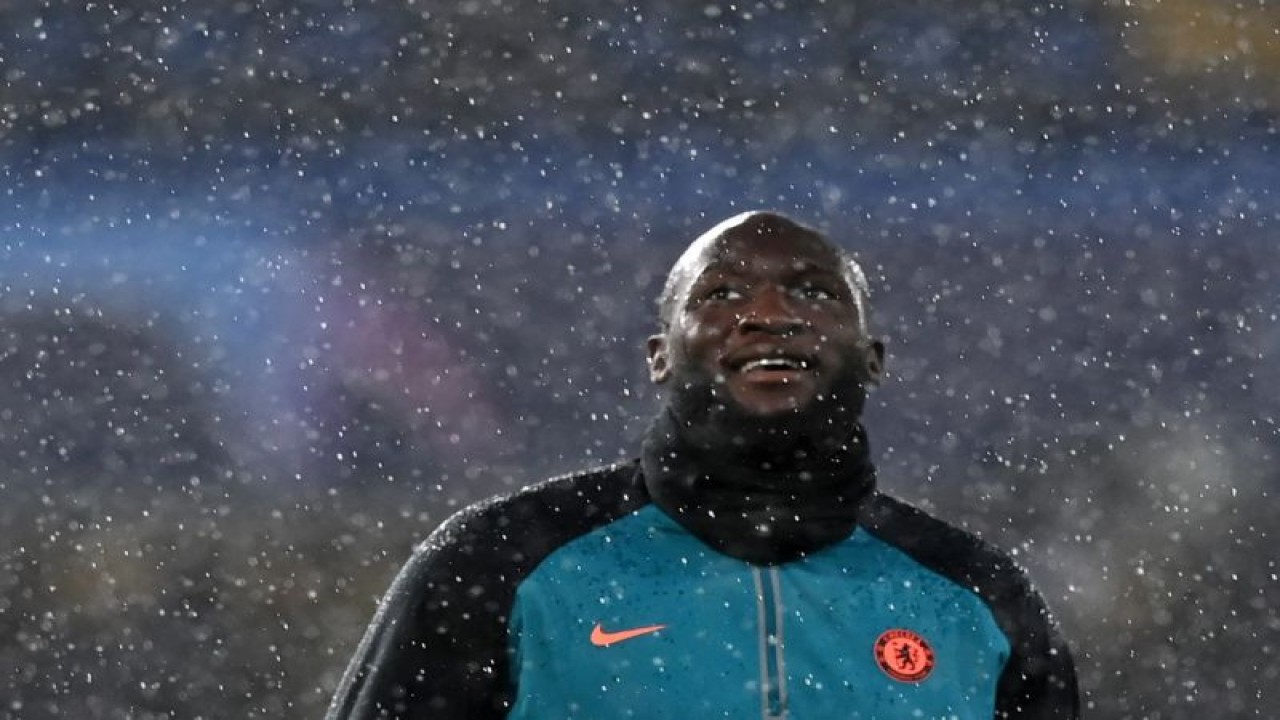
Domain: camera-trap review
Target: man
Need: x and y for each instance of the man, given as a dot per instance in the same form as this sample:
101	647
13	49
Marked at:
745	566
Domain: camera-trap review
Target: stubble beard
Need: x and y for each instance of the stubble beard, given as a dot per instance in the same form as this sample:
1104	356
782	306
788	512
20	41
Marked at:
712	418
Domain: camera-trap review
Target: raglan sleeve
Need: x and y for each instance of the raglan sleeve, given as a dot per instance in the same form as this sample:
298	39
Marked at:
437	646
1039	680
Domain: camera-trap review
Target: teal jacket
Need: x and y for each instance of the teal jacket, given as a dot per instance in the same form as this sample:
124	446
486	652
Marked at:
581	598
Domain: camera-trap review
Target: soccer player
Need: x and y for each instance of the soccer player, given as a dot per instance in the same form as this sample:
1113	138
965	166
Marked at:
744	565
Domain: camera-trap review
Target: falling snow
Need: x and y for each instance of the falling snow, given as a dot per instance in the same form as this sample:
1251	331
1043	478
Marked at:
284	284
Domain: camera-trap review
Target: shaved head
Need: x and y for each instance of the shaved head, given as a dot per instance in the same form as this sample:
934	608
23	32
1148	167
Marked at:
755	222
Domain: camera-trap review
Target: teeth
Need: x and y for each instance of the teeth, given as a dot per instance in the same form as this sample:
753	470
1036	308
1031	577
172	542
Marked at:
778	363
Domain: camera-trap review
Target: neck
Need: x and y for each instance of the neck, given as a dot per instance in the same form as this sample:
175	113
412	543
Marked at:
766	496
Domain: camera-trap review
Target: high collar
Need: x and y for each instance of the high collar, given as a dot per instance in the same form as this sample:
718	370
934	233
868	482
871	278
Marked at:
764	506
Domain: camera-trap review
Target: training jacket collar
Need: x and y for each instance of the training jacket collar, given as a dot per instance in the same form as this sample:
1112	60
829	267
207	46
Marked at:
765	508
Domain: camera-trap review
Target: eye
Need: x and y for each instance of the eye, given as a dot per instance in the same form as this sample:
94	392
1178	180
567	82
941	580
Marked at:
813	292
722	292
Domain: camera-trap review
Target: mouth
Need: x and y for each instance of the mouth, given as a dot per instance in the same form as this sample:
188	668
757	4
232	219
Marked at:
771	366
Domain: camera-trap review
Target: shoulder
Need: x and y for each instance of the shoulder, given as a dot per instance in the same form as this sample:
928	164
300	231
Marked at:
1039	680
959	555
438	643
519	529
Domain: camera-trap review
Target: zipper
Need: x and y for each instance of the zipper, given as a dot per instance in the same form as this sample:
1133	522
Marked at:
773	666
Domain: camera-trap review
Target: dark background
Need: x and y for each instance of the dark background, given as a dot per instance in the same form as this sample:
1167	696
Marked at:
283	284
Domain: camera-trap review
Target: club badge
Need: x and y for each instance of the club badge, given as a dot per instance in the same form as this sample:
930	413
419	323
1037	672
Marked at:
904	655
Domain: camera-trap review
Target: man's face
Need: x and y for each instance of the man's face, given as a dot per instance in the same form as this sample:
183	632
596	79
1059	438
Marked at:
768	322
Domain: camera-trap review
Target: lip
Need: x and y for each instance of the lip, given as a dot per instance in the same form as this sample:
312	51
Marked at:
738	360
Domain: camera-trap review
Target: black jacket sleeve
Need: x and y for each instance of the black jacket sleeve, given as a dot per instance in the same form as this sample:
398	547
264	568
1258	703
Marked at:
437	645
1039	681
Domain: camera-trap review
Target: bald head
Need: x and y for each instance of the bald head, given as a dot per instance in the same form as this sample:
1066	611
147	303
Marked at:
743	227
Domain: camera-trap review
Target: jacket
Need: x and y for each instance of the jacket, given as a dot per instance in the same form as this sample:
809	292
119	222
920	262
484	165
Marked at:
581	598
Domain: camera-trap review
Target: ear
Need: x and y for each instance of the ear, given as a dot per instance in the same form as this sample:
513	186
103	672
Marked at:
874	360
659	362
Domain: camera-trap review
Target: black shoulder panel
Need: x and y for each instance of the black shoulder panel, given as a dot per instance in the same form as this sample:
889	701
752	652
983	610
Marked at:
437	646
1039	681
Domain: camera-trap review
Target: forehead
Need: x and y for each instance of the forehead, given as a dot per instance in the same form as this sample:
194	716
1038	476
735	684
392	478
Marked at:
749	251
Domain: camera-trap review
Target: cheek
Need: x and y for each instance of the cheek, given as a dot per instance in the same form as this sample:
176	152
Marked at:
703	337
845	331
843	347
702	334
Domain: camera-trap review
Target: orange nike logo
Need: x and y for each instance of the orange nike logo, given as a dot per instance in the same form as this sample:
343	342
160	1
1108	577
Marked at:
600	638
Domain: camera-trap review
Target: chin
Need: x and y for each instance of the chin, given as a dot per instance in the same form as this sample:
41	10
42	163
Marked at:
775	410
775	400
700	399
780	411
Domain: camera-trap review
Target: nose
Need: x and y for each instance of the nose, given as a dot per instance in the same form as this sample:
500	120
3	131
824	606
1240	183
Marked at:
770	311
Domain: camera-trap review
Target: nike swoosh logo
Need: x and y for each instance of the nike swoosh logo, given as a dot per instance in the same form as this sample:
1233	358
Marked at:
600	638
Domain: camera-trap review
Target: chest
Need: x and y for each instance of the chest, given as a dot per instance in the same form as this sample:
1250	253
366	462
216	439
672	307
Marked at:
662	627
